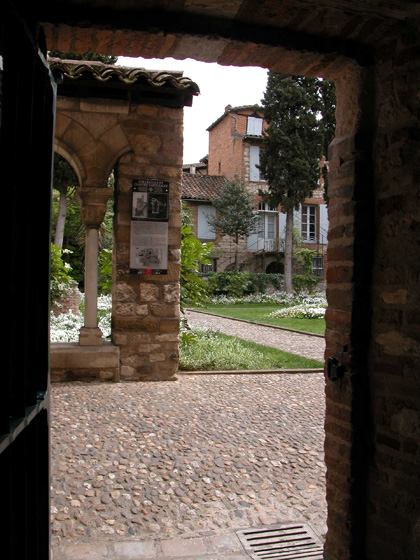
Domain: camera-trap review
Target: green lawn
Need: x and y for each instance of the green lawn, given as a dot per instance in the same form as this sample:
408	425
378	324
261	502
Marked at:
258	312
216	351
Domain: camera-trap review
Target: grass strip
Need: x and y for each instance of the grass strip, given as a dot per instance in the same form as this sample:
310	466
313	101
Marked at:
259	314
213	351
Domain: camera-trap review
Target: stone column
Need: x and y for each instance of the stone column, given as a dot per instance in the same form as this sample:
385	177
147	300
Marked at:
93	202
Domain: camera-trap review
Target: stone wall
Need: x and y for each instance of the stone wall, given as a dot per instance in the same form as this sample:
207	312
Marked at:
145	316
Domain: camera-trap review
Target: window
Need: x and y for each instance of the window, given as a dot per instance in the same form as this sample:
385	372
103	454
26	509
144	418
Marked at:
205	268
318	266
204	230
254	161
271	226
265	207
308	229
267	226
254	126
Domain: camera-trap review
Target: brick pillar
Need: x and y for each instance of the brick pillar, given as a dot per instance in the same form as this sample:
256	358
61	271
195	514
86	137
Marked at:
350	249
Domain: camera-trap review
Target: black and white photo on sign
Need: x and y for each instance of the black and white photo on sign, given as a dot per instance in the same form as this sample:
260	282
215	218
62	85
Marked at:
158	205
139	205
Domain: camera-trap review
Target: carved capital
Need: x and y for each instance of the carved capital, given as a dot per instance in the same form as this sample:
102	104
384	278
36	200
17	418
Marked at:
93	205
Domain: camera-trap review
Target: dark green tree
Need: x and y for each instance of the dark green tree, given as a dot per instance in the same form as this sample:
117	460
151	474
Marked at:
84	56
294	144
235	212
327	124
65	182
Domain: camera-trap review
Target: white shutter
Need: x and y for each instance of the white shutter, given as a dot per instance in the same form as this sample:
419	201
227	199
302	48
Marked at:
254	160
204	231
254	126
323	223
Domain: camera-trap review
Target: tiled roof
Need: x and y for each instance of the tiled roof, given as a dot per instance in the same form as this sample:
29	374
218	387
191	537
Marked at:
201	187
74	69
230	109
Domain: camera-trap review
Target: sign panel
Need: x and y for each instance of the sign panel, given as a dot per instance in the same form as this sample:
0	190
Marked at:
149	227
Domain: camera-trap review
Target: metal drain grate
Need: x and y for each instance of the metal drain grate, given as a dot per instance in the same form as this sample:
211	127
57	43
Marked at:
286	541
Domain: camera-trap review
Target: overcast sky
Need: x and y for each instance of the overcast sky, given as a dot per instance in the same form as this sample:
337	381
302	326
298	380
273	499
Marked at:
219	86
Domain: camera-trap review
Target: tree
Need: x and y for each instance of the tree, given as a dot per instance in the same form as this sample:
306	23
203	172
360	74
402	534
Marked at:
327	125
65	182
235	212
88	56
295	139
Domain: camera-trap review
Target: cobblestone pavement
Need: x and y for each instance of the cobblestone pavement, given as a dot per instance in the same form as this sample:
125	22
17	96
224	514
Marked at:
296	343
172	469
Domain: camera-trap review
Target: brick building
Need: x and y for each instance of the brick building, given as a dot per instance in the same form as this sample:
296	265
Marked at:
371	51
235	141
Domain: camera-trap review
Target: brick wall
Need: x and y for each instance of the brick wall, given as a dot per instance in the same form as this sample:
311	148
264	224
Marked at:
226	145
225	149
394	489
67	302
372	438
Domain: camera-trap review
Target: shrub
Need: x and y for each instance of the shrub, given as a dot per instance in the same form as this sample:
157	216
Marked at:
105	270
304	282
237	283
193	252
61	281
231	283
260	281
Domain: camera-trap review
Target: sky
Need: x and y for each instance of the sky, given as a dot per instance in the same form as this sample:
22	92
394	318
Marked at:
219	86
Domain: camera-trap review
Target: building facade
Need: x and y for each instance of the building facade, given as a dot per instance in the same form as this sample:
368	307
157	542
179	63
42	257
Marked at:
235	143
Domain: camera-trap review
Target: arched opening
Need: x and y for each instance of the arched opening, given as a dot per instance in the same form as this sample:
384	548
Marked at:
275	267
144	344
372	402
151	293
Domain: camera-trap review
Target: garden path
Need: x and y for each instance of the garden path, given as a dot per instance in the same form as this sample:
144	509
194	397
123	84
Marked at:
305	345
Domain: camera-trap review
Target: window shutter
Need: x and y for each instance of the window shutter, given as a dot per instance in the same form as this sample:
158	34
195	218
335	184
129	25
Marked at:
204	231
323	223
254	126
254	160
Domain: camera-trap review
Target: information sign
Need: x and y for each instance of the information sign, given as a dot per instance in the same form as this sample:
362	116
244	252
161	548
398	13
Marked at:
149	227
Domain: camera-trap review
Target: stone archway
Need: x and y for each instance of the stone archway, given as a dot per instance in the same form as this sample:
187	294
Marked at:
135	127
275	267
371	53
150	328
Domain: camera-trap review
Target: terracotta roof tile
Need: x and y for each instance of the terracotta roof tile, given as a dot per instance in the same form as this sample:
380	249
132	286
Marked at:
74	70
201	187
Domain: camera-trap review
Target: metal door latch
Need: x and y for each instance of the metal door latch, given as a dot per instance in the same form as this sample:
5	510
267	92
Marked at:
334	369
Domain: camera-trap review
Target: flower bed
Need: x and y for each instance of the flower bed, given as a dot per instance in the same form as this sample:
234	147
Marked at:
66	327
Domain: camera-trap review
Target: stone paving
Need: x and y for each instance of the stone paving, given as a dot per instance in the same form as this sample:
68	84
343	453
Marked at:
172	469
